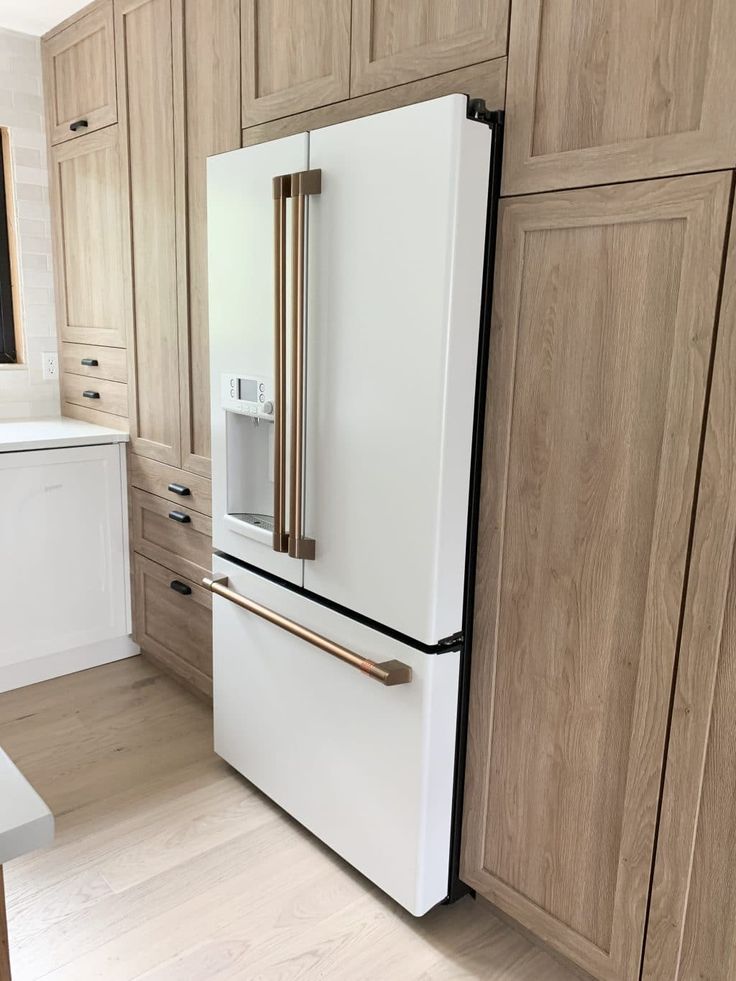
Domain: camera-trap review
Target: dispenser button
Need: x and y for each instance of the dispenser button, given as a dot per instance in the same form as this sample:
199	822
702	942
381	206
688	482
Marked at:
261	387
268	408
261	398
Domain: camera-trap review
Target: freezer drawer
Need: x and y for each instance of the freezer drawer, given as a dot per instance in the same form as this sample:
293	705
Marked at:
367	768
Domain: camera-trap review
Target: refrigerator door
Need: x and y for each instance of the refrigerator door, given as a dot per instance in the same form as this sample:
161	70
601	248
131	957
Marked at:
240	221
367	768
396	250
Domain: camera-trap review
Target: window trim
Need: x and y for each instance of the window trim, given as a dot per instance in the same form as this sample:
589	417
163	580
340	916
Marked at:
8	345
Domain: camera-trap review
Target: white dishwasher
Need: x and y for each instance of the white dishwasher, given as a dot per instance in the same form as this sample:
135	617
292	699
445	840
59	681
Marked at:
64	568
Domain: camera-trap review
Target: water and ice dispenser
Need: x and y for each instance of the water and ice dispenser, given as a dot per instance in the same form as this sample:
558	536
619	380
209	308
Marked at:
249	406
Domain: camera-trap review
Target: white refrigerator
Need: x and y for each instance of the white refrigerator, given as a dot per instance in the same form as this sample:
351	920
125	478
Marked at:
349	287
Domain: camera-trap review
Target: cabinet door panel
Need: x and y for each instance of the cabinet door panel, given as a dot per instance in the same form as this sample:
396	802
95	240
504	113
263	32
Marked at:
92	259
143	36
618	91
79	69
396	41
601	340
295	56
207	33
692	923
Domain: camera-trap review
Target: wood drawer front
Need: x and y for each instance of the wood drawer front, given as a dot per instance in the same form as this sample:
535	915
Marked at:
184	545
111	362
157	478
79	74
175	629
112	396
74	411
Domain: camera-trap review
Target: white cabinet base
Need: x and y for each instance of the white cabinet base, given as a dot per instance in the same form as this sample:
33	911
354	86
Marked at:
24	673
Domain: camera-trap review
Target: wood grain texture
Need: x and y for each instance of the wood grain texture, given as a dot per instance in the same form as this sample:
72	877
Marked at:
601	340
208	98
4	952
486	81
143	39
155	478
176	630
112	362
692	924
92	256
168	865
618	91
74	411
184	548
396	41
79	75
295	56
113	396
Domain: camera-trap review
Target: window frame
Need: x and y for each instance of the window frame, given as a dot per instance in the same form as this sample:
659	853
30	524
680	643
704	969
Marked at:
8	343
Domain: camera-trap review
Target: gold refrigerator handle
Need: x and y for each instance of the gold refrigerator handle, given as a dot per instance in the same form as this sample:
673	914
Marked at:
302	184
281	191
387	672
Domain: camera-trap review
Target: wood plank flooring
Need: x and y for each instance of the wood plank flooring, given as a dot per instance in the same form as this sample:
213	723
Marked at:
169	866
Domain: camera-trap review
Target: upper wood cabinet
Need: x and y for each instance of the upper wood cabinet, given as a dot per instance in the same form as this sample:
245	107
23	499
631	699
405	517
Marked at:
92	258
692	922
296	56
601	92
145	49
601	340
79	67
207	72
396	41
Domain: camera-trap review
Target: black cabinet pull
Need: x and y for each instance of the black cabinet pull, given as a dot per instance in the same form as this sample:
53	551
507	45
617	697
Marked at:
179	489
78	124
90	395
180	587
90	362
179	516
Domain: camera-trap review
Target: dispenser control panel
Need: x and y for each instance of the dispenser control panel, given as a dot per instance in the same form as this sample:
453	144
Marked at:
250	395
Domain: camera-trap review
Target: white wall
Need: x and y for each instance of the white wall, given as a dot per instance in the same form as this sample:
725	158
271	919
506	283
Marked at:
23	392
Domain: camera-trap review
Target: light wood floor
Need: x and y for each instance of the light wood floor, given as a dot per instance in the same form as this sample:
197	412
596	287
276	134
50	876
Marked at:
168	865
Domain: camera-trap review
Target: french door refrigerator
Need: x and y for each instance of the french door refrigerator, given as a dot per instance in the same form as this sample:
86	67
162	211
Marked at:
349	289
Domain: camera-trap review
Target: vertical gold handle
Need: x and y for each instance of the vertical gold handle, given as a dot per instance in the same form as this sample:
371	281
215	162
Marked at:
302	184
281	190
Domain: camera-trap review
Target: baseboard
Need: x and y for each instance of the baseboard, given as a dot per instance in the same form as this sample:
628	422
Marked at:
37	669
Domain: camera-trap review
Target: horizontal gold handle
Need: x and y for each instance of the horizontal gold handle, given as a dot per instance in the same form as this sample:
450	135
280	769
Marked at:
387	672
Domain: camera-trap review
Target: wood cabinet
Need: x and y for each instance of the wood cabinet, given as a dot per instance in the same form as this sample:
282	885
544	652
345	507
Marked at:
601	339
174	617
692	922
397	41
92	284
207	72
144	43
618	91
295	56
79	70
172	534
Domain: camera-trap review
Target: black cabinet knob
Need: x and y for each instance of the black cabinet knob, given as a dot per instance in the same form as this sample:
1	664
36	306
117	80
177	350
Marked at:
90	395
179	489
78	124
179	516
90	362
180	587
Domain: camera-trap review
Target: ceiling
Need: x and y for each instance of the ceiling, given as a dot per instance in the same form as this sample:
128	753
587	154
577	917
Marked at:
36	16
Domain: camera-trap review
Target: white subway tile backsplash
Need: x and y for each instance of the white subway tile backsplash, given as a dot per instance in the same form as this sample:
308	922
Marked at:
23	390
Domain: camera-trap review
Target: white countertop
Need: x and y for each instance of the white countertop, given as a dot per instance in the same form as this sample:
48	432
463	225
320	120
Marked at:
25	821
43	434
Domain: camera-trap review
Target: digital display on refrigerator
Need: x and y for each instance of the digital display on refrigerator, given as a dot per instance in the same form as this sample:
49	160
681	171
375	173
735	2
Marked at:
247	389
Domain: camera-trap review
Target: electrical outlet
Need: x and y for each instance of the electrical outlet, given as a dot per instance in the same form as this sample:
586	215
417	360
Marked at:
50	361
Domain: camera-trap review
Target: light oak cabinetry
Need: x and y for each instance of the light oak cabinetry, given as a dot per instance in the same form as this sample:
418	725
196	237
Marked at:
692	922
207	73
144	45
79	70
603	322
171	534
604	92
296	56
396	41
91	265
